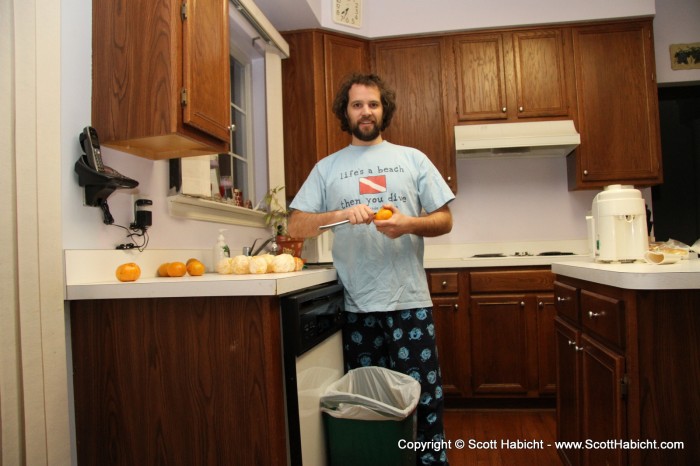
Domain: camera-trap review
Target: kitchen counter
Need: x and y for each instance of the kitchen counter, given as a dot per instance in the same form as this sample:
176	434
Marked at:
508	261
683	275
90	275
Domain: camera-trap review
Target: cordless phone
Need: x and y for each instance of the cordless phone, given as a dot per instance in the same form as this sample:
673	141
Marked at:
91	146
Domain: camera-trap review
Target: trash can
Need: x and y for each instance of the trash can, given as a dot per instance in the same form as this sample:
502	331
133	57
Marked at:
365	415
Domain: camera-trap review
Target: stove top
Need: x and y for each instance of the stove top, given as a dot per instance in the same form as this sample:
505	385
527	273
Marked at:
522	254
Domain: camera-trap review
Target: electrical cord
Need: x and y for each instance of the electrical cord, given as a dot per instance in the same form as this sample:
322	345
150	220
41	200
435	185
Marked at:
136	235
133	232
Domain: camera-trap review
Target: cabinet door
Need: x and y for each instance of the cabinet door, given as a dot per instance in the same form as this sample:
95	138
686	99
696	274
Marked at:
603	406
546	344
452	343
540	80
205	56
342	56
160	86
617	106
317	64
500	353
568	389
480	77
414	69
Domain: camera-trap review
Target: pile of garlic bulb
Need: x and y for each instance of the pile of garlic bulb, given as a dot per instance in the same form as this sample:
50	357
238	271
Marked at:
265	263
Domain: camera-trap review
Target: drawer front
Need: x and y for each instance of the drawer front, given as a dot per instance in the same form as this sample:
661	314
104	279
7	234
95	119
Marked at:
511	280
566	301
444	282
603	316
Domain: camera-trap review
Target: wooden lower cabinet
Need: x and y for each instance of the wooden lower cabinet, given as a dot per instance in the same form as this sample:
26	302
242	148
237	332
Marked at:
178	381
627	371
495	332
451	329
591	384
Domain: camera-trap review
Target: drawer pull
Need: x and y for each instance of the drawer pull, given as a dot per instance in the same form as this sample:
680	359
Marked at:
444	284
593	315
576	347
564	299
505	303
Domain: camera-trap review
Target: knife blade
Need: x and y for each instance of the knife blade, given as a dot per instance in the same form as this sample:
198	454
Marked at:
331	225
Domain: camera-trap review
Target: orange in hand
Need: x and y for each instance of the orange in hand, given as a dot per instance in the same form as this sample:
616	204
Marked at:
383	214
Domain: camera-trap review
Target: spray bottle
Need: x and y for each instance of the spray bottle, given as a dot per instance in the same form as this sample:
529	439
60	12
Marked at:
221	250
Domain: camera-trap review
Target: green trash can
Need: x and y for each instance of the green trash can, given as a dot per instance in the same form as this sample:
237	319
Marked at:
367	414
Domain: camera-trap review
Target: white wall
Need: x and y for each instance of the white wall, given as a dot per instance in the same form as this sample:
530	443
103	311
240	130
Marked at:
400	17
676	22
82	225
497	200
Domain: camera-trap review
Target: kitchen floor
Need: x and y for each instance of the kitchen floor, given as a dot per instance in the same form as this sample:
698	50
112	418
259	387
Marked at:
491	427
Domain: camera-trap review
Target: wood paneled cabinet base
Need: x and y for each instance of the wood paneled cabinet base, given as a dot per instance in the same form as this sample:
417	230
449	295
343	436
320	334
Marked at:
627	369
495	332
178	381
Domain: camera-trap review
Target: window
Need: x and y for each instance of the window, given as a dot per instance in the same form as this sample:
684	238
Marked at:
236	168
256	131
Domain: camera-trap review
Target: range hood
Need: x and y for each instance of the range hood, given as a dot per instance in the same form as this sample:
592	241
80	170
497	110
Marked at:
530	139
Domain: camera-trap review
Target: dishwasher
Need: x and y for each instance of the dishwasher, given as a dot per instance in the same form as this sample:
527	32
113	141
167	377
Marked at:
313	359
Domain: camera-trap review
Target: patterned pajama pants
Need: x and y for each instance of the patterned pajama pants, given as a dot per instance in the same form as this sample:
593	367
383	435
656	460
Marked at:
403	341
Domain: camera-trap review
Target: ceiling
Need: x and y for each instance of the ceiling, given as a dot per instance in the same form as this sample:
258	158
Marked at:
288	15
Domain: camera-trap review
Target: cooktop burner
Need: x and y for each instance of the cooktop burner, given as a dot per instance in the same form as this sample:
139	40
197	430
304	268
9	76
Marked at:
521	254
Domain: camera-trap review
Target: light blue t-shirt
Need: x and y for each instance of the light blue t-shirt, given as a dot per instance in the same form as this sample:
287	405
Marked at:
379	274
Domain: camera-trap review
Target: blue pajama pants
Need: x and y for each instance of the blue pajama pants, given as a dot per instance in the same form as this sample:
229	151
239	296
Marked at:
403	341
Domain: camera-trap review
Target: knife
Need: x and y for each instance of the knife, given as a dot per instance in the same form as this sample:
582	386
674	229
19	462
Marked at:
331	225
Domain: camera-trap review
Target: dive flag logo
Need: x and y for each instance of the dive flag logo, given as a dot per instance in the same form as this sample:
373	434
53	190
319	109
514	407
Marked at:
373	184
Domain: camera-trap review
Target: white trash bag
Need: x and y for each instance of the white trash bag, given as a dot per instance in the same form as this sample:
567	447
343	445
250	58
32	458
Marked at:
372	394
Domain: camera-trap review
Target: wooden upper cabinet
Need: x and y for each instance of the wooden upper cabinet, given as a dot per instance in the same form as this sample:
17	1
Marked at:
161	84
511	75
618	114
414	68
318	63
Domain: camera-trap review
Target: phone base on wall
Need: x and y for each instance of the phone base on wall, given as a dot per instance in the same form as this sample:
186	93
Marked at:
99	185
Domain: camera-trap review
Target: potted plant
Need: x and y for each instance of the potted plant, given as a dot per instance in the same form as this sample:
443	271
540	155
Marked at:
276	218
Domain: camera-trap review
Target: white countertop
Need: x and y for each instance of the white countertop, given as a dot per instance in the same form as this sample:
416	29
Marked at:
90	275
682	275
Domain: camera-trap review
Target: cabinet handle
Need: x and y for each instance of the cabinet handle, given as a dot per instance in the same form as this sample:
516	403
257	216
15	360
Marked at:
232	128
563	299
520	109
449	178
504	110
576	347
585	172
444	284
593	315
504	303
456	308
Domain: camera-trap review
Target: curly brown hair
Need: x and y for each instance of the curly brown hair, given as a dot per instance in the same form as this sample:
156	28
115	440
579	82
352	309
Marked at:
387	96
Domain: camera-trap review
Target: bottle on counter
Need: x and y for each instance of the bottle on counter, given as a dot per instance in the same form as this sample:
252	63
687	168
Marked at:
221	250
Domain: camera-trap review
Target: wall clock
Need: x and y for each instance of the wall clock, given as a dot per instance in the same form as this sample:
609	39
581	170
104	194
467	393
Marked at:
348	12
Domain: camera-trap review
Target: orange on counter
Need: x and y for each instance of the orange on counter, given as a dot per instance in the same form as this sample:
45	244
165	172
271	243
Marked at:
128	272
383	214
195	267
176	269
163	269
